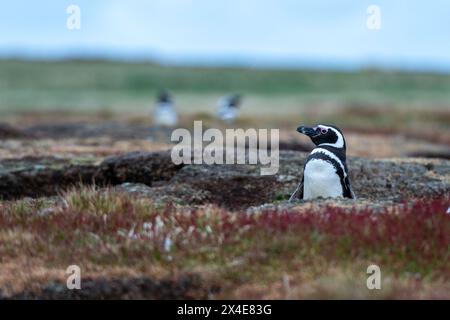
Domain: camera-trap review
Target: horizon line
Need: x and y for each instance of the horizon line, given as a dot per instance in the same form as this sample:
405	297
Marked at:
235	62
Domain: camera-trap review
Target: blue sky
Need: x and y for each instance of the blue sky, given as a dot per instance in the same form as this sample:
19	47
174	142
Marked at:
322	33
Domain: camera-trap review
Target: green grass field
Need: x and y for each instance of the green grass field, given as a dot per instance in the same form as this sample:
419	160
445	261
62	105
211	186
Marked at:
115	86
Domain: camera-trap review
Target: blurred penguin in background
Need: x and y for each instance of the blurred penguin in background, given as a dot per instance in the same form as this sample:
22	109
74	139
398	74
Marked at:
229	108
165	113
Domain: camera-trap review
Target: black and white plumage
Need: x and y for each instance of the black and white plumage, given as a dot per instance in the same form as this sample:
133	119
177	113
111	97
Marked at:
165	113
229	107
325	173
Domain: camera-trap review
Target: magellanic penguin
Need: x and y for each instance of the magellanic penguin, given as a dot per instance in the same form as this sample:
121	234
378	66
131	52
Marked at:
165	113
325	173
229	107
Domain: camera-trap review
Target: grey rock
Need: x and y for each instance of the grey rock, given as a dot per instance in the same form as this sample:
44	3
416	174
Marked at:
155	176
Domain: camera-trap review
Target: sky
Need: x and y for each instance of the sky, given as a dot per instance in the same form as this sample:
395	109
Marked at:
414	34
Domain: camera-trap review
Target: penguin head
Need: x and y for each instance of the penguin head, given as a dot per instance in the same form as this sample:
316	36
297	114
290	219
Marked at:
164	96
324	135
235	101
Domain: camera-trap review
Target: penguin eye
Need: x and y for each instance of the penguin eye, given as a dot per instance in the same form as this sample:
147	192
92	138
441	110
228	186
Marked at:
323	130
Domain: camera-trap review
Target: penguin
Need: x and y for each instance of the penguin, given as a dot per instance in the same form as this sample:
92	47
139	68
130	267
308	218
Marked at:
325	173
229	108
165	113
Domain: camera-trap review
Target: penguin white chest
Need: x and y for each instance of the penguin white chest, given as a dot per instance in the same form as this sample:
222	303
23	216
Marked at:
228	114
166	116
321	180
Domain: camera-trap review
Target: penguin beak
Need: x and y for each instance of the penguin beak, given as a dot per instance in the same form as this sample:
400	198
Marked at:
310	132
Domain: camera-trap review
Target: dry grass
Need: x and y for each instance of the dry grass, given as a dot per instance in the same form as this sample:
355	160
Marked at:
268	255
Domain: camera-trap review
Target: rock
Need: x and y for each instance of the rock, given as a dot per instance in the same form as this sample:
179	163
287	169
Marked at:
153	175
442	154
138	167
182	194
398	179
36	177
9	132
139	189
230	186
184	287
241	186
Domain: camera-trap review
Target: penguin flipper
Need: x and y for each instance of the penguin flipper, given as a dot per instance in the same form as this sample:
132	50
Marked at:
349	191
298	193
